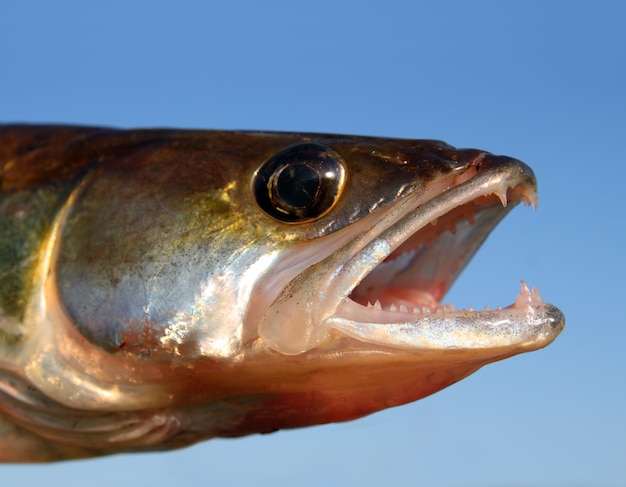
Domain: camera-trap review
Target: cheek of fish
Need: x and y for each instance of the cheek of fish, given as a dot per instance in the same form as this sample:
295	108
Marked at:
161	287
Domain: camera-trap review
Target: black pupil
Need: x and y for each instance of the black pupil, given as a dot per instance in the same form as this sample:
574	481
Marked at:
297	185
300	183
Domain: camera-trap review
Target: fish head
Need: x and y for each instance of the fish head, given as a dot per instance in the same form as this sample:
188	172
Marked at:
361	304
227	283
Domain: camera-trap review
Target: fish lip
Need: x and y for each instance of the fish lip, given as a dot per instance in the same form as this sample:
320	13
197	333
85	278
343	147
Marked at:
314	302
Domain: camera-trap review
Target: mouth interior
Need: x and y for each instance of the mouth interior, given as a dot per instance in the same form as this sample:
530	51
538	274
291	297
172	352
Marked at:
415	277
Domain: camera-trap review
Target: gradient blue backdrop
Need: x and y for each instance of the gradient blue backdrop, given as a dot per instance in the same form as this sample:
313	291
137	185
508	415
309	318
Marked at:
543	81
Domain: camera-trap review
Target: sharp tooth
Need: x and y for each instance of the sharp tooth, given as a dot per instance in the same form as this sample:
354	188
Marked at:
417	310
486	308
502	195
378	306
471	218
524	298
403	308
393	307
535	296
434	222
427	309
469	309
530	198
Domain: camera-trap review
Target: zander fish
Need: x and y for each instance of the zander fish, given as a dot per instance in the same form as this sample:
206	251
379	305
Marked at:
161	287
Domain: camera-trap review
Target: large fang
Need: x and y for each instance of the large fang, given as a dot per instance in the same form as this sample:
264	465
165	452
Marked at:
502	195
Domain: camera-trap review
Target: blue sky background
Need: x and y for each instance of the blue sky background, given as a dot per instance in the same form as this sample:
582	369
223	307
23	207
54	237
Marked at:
543	81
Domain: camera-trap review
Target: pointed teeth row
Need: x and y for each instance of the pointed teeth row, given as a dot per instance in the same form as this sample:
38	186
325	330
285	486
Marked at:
422	309
487	308
450	308
376	305
530	199
528	297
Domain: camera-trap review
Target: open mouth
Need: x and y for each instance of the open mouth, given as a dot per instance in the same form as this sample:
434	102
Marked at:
415	276
385	286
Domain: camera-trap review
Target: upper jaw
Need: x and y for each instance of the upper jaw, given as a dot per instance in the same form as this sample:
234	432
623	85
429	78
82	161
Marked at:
402	264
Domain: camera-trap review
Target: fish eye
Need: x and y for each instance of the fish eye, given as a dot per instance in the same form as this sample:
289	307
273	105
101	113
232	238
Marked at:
300	183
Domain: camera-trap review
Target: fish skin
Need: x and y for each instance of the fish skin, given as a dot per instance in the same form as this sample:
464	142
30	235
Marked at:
132	266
